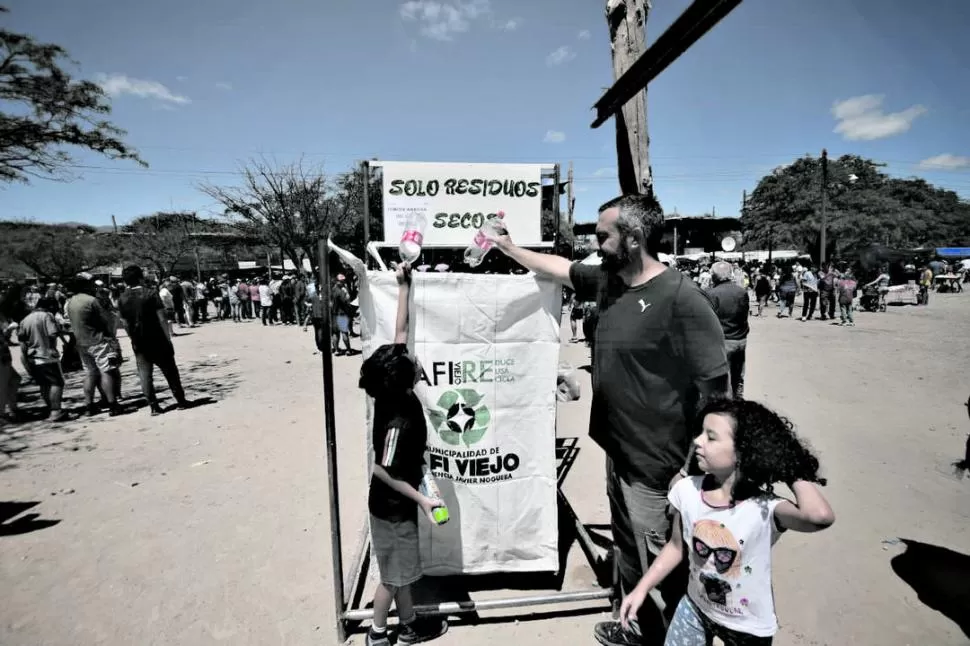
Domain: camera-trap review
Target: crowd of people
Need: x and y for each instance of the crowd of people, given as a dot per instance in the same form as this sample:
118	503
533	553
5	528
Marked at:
833	294
60	328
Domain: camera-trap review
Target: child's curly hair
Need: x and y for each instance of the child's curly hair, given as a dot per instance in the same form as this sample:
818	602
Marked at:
389	371
766	447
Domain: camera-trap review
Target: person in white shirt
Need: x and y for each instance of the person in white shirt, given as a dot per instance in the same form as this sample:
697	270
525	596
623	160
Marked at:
265	300
168	302
274	307
729	519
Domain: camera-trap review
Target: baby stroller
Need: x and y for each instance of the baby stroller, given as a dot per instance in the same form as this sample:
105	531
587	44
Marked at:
869	301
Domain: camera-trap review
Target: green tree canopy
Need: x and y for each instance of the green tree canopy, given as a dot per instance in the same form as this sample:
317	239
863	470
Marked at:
45	111
56	252
864	206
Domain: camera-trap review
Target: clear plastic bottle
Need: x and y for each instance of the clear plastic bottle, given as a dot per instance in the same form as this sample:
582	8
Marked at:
413	237
481	244
430	489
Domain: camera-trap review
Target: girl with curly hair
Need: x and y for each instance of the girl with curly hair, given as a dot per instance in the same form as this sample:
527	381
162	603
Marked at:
730	519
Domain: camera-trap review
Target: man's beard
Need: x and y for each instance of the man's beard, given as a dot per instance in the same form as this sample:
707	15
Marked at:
614	263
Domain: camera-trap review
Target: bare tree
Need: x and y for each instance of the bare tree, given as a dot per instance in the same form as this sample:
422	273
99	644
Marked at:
627	21
288	206
161	240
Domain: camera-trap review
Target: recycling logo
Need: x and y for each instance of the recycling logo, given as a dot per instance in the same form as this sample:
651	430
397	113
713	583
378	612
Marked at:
460	417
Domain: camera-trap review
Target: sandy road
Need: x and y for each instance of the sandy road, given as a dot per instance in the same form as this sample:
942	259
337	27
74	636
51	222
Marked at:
211	525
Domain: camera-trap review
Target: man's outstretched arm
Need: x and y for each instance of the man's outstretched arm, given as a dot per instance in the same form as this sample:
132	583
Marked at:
546	265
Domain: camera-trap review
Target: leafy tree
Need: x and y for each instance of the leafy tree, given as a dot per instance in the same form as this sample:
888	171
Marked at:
45	110
864	206
56	252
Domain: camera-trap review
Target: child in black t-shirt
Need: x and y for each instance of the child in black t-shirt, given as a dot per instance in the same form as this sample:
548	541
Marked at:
400	436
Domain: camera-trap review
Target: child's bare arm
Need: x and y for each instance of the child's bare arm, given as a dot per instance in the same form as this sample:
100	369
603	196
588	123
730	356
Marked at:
403	296
427	505
669	558
809	513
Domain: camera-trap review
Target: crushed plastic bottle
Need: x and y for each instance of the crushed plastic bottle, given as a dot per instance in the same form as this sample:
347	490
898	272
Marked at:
413	238
482	243
430	489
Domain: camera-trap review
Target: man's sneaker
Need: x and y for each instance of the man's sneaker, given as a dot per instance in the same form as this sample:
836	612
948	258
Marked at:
377	639
422	630
611	633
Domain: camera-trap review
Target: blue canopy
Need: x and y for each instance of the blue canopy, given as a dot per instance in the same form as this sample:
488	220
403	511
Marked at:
959	252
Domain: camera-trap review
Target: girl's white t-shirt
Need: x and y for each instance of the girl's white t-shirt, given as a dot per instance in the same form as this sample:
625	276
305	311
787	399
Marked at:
729	551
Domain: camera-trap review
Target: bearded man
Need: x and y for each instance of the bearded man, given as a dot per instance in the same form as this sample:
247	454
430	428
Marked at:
659	356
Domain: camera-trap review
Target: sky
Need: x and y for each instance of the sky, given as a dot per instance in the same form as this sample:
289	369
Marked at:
201	87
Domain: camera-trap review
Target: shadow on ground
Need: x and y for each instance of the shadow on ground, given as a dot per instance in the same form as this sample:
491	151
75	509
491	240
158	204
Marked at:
205	381
939	577
24	524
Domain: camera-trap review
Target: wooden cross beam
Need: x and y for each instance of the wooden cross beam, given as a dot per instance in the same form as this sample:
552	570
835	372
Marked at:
696	21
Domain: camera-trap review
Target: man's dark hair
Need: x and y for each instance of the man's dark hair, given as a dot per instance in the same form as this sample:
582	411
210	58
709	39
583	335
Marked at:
47	304
80	285
641	217
132	275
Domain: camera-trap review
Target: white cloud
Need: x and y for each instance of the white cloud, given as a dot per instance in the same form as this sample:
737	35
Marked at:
609	171
562	55
119	84
583	35
443	20
946	161
554	137
862	118
511	25
181	79
223	85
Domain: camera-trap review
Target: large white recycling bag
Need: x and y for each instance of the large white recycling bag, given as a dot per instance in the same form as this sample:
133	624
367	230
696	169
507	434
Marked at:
489	349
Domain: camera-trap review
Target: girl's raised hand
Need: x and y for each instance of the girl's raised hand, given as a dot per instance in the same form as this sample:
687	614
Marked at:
631	606
403	273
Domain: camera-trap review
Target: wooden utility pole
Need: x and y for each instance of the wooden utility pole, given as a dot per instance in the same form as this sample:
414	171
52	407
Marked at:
696	21
570	199
825	178
627	20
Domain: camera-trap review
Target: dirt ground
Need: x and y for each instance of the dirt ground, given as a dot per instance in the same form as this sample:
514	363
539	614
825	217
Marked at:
212	525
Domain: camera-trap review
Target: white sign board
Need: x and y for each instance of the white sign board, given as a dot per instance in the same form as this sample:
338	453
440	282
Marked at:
456	199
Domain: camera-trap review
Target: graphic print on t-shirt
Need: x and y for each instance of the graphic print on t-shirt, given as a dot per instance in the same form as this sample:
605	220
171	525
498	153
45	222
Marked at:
717	555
